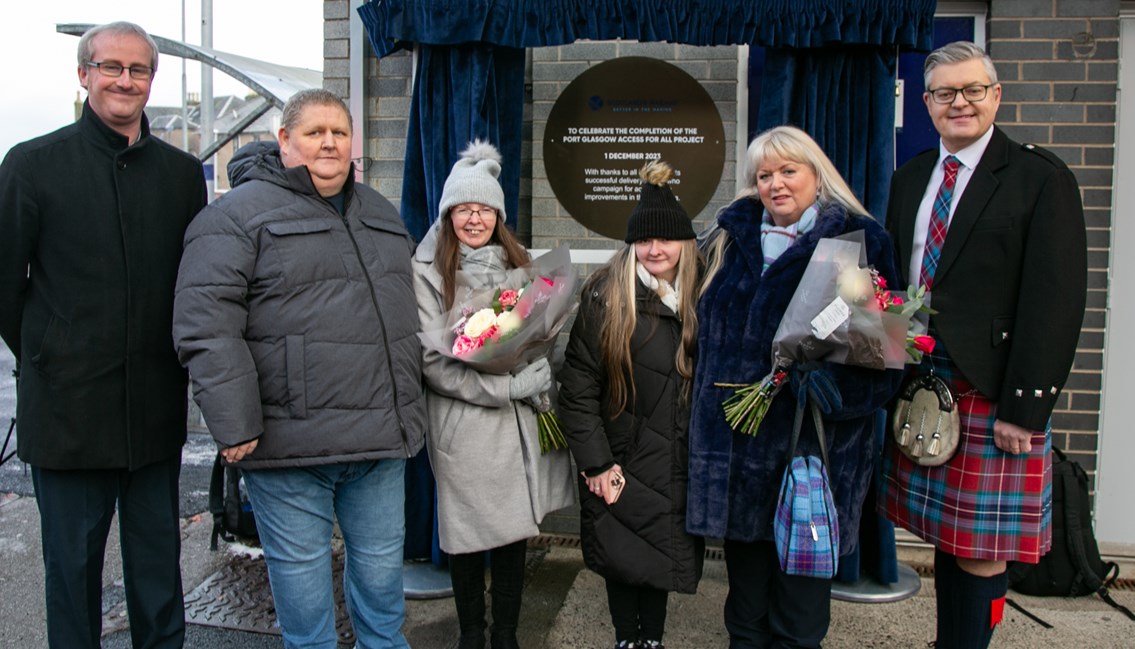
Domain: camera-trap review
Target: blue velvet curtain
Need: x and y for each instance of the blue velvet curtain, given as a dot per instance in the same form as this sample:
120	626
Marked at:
461	93
534	23
844	98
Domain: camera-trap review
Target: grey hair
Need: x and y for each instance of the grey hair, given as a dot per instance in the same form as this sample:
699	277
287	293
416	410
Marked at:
311	97
118	28
957	52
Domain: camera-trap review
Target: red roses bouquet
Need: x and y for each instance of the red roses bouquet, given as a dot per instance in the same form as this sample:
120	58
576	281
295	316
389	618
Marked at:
841	312
501	322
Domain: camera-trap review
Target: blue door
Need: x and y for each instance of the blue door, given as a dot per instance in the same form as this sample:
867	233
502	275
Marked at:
917	133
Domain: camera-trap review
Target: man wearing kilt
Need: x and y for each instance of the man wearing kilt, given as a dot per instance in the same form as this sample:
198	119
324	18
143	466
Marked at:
995	229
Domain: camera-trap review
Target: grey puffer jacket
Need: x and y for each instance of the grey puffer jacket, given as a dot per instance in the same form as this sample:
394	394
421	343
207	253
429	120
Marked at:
298	325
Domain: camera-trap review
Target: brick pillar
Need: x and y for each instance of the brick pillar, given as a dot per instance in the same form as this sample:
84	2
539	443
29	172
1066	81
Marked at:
1058	63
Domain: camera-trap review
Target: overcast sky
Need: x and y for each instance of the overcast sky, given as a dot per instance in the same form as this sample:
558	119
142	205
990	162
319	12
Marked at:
40	93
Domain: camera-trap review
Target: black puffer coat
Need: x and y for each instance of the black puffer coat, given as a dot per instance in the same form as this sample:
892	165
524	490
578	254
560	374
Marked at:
640	540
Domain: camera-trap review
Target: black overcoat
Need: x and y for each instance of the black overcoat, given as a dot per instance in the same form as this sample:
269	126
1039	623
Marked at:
91	239
641	539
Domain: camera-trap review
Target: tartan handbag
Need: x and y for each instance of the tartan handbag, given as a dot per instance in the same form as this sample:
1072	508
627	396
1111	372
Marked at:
806	525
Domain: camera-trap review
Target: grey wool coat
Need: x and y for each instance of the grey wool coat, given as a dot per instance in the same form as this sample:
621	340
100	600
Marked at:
293	320
493	485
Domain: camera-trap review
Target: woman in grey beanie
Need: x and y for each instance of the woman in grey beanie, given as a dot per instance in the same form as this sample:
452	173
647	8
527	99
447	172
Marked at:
493	484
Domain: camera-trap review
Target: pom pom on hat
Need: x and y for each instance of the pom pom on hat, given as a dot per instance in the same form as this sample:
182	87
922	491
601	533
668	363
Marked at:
473	179
658	214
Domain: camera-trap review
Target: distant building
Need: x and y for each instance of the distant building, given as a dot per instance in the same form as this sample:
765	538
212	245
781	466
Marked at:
229	112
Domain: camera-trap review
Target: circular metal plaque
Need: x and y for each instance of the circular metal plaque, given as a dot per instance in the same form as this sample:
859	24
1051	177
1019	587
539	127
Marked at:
615	117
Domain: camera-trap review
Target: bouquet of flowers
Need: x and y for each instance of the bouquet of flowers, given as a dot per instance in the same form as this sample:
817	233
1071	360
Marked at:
841	312
502	321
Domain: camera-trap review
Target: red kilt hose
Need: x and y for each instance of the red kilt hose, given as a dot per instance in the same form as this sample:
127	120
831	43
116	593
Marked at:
983	503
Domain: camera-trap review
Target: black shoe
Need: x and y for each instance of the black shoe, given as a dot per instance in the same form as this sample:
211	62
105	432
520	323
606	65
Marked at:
649	644
473	639
626	644
504	639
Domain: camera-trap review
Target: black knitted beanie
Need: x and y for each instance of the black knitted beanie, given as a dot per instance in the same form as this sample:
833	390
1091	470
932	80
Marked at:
658	215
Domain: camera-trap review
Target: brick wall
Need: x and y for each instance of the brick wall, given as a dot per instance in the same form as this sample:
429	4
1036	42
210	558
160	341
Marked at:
336	45
1058	64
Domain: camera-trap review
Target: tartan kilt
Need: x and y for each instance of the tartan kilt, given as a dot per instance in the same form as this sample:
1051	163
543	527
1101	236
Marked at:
983	503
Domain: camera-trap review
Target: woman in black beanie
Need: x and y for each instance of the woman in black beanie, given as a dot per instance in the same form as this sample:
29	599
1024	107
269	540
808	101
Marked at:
624	404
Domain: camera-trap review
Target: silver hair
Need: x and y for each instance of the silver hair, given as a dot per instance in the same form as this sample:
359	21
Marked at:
118	28
957	52
309	97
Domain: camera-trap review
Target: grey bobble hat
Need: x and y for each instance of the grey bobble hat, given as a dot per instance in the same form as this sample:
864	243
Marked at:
658	214
473	179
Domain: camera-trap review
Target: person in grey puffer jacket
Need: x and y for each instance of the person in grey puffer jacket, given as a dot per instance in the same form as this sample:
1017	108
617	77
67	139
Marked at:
294	314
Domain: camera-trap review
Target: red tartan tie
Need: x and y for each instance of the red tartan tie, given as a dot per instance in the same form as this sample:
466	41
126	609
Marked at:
939	217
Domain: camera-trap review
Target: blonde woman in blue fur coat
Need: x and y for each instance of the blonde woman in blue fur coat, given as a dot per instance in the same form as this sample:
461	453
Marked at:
756	256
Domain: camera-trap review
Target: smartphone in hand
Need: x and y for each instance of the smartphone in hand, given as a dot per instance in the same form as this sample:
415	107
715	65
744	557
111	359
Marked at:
616	487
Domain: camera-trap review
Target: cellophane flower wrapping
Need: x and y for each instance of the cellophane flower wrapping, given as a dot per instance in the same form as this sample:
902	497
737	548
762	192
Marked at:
841	312
835	314
502	321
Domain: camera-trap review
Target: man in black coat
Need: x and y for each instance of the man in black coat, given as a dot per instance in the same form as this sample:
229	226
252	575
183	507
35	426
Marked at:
996	229
92	218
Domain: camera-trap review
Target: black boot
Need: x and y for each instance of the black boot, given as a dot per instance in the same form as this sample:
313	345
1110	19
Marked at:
467	572
507	587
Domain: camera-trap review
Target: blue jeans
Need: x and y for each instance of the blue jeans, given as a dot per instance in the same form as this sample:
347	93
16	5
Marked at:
295	509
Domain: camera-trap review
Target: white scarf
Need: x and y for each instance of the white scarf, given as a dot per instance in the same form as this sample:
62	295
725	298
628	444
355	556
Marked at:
666	291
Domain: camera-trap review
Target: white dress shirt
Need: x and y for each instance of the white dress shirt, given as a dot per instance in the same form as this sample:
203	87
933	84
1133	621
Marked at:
969	158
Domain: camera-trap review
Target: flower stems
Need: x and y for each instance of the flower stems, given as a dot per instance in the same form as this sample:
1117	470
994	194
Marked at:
551	435
746	409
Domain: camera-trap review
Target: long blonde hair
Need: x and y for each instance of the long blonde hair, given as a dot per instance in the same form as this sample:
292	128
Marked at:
790	144
616	284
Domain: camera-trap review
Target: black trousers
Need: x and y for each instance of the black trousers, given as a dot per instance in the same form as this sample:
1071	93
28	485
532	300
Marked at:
768	609
637	612
75	511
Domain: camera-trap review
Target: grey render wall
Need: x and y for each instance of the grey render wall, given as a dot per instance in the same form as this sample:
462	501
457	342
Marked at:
1055	95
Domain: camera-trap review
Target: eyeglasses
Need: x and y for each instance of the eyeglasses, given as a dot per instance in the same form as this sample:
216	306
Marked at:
484	212
114	70
969	93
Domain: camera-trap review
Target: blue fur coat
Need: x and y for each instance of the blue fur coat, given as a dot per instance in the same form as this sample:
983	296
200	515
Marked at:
734	478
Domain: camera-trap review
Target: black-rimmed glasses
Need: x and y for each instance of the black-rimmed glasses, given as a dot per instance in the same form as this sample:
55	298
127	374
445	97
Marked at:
114	70
969	93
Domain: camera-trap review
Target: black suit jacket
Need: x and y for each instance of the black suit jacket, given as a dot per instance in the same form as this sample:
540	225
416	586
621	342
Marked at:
1010	285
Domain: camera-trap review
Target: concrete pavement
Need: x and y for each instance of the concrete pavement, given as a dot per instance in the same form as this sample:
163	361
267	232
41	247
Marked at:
565	605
